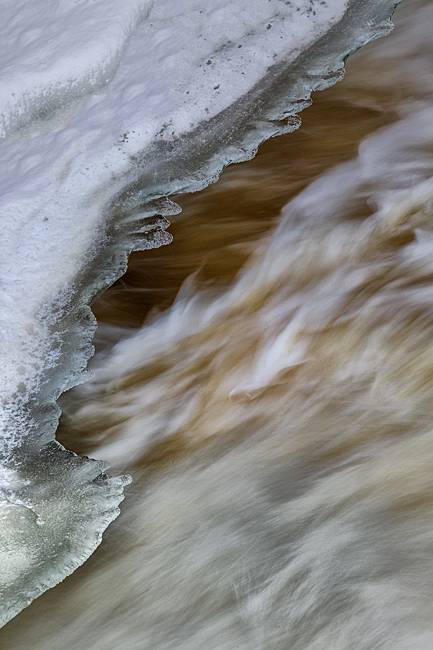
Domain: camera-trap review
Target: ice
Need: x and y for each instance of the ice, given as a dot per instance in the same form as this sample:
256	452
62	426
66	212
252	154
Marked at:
53	510
107	107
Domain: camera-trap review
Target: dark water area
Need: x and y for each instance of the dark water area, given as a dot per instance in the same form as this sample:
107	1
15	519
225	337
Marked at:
217	229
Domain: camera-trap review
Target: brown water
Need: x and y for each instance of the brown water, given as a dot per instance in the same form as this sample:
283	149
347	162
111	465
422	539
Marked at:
268	381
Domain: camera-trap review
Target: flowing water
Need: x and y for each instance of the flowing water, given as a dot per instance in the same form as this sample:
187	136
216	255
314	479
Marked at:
267	380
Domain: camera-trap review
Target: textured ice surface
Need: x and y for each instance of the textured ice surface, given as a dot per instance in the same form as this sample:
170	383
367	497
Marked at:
53	509
105	106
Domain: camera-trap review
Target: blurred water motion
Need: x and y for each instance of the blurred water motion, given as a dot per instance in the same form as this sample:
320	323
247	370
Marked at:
268	381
